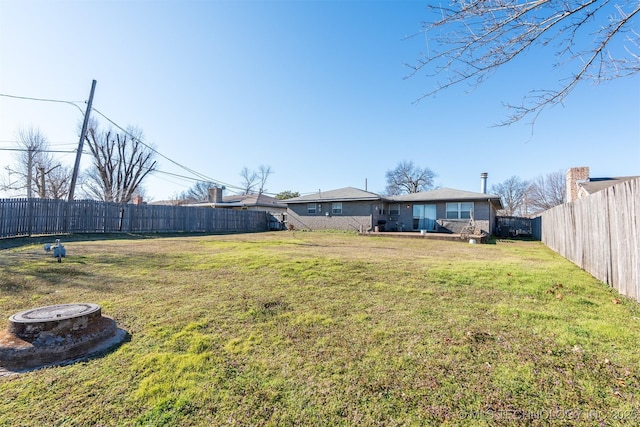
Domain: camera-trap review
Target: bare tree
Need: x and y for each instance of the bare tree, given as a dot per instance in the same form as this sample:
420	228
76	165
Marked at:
546	192
249	180
58	180
469	39
407	178
36	173
263	175
31	155
253	179
120	164
513	193
199	192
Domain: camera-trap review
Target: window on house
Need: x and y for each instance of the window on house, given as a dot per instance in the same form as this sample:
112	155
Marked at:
466	210
459	210
311	208
394	210
336	208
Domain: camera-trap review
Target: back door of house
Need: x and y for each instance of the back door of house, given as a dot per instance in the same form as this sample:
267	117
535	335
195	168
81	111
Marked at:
424	217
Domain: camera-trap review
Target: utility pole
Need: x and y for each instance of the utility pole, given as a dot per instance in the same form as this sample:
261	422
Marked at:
76	167
29	173
43	193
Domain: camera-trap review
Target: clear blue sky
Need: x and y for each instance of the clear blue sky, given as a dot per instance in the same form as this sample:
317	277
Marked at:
314	89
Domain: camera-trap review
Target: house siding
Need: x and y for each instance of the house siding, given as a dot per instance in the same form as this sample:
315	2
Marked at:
367	213
355	216
364	216
401	222
483	214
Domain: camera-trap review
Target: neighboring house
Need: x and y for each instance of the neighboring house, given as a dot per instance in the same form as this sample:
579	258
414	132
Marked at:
579	184
444	210
254	202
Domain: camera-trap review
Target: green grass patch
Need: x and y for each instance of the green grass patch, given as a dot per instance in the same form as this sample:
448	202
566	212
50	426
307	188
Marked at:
291	328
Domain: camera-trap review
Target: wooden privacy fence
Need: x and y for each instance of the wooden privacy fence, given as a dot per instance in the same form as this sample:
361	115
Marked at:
601	234
26	217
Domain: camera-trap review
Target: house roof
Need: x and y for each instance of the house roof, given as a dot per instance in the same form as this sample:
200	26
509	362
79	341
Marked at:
442	194
252	200
239	200
593	185
354	194
447	194
339	195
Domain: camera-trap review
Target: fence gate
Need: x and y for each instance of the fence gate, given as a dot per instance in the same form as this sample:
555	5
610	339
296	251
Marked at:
513	226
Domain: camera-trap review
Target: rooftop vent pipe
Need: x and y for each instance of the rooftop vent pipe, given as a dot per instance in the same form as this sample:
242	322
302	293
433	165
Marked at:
483	182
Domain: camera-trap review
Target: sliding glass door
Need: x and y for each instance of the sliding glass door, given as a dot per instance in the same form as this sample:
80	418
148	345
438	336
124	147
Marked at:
424	217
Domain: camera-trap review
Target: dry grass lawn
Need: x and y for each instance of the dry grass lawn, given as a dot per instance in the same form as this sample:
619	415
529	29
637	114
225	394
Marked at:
292	328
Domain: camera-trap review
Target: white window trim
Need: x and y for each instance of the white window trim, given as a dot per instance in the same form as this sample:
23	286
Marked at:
311	208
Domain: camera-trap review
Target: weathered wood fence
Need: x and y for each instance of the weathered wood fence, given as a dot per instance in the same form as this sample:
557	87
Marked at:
27	217
601	234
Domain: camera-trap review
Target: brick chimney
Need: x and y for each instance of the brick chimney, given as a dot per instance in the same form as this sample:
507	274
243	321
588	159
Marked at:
215	194
574	176
137	200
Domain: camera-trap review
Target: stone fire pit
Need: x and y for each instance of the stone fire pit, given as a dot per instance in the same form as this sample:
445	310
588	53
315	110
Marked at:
56	335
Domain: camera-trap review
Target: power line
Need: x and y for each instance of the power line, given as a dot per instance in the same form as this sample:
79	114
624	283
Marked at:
28	98
38	151
151	148
188	178
15	141
202	177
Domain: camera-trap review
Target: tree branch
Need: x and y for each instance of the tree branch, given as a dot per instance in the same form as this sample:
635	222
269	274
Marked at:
474	38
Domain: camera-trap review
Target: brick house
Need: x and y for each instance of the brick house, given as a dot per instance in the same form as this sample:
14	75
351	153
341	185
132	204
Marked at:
444	210
252	202
580	184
